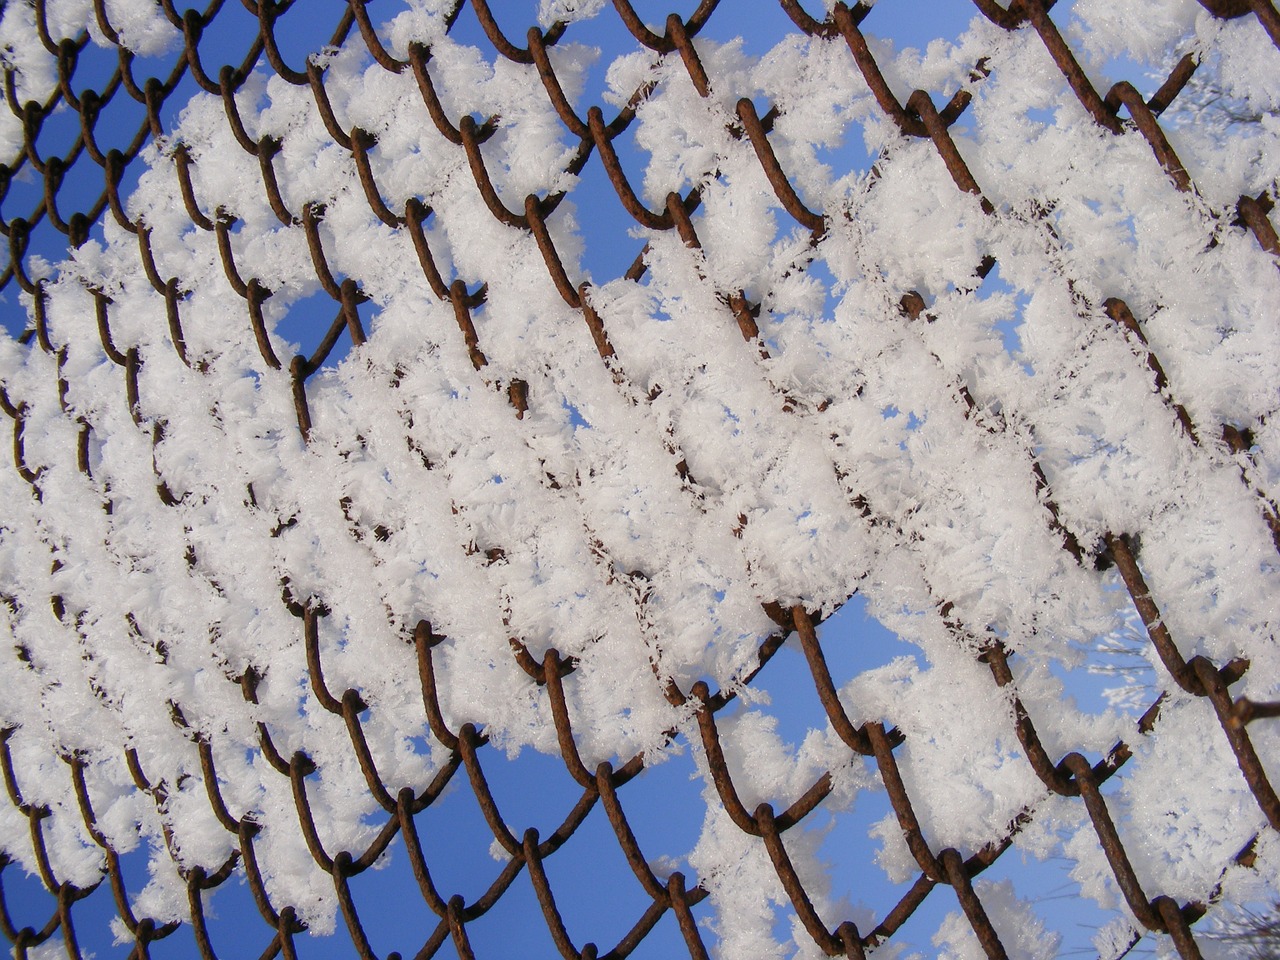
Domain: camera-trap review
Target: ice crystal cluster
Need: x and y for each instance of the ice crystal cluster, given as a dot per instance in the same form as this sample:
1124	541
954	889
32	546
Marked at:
938	412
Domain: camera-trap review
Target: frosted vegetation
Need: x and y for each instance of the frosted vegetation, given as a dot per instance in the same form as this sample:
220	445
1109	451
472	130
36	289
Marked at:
641	511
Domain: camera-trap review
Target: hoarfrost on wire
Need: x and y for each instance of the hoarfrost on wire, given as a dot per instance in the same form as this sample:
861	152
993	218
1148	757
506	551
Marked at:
645	533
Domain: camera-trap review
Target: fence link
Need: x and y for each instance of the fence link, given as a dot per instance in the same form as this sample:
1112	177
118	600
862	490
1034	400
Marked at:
1011	384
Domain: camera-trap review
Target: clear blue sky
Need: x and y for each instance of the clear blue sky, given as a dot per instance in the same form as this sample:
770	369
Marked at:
599	897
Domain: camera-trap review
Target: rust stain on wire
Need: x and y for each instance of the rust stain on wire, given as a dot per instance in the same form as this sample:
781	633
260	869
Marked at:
1070	776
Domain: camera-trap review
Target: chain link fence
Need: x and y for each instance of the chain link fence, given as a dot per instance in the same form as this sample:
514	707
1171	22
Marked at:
264	607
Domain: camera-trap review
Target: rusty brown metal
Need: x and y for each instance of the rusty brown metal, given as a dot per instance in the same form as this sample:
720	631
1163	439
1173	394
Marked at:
1072	777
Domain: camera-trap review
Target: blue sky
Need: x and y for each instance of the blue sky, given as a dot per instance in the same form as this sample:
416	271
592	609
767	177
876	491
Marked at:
599	898
597	894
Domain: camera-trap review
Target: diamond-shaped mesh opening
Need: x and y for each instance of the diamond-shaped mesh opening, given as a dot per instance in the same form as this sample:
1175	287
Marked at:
564	480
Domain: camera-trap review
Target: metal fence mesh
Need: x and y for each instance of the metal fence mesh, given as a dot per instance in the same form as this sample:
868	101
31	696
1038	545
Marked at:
47	186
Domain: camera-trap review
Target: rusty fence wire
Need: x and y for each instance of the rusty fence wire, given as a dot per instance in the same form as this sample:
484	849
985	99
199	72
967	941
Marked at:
239	580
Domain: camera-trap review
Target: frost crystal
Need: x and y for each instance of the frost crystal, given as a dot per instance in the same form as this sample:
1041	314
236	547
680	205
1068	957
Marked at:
1012	381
